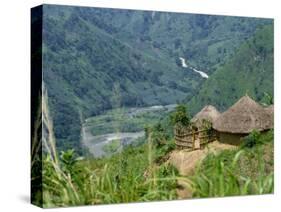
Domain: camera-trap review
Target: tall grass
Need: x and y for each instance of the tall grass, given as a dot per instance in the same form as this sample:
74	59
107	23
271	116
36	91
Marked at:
237	172
140	174
129	176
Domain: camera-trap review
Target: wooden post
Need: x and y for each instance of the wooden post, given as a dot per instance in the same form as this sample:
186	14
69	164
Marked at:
193	139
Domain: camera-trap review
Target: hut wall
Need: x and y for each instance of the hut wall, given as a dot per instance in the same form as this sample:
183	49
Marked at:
184	137
230	138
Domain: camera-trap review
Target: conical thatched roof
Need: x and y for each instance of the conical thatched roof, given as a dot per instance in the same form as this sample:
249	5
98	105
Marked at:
209	113
244	116
270	109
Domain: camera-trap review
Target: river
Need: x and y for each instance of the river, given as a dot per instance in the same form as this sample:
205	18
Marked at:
96	143
185	65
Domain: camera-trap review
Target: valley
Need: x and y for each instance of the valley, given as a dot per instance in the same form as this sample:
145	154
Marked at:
137	59
108	144
110	132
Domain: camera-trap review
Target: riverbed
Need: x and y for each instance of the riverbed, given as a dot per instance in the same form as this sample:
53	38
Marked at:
97	144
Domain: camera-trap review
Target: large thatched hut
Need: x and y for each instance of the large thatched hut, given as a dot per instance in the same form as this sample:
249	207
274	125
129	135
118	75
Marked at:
241	119
208	113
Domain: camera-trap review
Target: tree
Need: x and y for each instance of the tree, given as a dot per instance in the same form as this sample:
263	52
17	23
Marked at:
180	116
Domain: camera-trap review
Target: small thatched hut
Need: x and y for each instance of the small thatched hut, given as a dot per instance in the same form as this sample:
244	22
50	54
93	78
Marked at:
241	119
209	113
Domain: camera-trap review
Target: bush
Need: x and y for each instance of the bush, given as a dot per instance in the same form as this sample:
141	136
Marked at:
208	126
180	116
253	139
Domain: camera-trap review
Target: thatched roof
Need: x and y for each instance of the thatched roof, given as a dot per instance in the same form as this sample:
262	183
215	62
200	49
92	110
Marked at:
209	113
243	117
270	109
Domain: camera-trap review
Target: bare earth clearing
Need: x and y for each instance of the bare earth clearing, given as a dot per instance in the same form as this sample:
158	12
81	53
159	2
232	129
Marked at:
186	161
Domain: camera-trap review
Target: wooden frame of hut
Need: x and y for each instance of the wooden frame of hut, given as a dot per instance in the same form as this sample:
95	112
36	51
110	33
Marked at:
203	121
241	119
197	136
184	137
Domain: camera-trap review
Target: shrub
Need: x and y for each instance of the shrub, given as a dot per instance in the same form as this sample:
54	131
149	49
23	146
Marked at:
207	125
253	139
180	116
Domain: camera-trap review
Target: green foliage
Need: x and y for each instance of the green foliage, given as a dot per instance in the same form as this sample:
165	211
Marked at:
208	126
252	139
158	135
256	138
268	99
125	177
69	159
168	175
161	153
161	142
205	40
87	51
249	70
112	147
223	181
180	116
237	172
140	174
125	120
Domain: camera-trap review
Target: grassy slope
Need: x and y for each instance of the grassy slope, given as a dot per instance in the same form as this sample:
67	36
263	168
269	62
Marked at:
250	71
135	175
237	172
139	174
130	176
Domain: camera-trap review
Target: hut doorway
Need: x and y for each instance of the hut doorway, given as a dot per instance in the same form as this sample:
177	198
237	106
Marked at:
192	138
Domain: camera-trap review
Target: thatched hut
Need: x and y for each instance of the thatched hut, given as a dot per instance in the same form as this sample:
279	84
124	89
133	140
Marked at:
208	113
241	119
201	131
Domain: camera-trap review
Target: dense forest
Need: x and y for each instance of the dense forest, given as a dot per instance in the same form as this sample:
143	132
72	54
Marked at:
248	71
98	59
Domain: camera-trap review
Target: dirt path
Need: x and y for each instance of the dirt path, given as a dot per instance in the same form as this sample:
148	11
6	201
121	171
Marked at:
186	161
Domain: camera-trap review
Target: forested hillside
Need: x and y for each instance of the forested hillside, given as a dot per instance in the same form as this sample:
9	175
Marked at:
250	71
97	59
205	40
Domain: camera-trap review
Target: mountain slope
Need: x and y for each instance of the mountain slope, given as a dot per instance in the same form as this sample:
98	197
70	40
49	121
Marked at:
96	59
204	40
87	71
250	71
